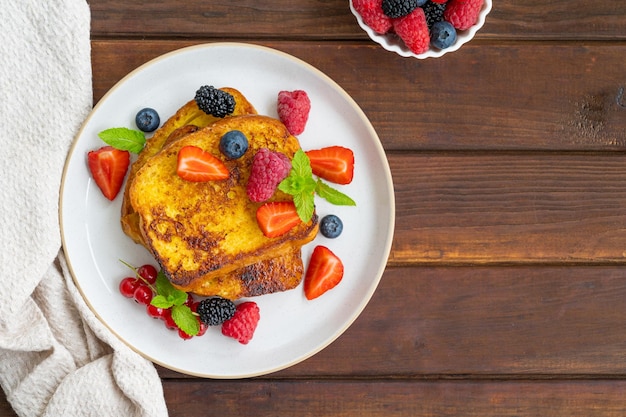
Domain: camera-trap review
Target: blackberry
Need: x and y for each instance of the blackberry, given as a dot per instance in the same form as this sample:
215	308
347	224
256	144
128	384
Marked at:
398	8
434	12
215	102
215	310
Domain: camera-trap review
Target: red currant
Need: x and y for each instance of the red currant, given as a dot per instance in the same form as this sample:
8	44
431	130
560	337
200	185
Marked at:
189	302
203	328
155	312
148	272
169	321
184	335
143	294
128	286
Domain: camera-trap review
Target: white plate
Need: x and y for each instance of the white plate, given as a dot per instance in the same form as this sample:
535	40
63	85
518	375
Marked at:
291	328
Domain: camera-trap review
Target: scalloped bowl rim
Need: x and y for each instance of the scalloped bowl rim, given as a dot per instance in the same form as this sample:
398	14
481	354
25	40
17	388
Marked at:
394	44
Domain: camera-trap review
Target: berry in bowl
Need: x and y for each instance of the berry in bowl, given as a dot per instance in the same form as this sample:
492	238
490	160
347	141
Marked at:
421	28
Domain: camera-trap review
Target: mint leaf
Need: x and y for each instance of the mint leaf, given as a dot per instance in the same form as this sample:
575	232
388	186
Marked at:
301	185
124	139
295	184
163	284
305	205
185	319
332	195
166	290
178	297
301	165
289	185
300	178
161	302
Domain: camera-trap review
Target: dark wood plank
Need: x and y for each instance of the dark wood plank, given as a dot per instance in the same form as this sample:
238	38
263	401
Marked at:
560	20
391	398
332	19
5	408
485	322
313	19
338	398
556	97
509	208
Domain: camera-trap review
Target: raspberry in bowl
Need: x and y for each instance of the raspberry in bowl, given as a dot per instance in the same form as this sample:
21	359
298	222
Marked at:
421	28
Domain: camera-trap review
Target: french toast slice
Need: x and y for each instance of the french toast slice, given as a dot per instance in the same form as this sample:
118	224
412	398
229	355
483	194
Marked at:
281	273
205	235
187	119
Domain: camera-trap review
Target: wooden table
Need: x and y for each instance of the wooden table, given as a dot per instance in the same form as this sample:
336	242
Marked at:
504	293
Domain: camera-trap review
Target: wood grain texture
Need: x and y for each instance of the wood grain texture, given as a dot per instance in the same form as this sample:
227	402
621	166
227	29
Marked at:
515	97
509	208
332	19
338	398
201	19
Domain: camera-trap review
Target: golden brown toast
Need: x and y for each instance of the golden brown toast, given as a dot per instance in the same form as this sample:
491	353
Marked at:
187	119
205	235
272	275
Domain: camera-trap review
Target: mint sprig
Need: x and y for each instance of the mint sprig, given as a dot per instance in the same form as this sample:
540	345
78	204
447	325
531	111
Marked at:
169	297
124	139
302	186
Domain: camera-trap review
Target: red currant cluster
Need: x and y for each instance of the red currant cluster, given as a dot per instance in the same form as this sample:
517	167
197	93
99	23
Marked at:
141	289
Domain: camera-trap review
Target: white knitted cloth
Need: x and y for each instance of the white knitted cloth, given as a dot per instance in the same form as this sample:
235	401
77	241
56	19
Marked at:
56	358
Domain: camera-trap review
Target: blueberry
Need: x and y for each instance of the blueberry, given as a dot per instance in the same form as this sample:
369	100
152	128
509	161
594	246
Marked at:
442	35
420	3
234	144
331	226
147	120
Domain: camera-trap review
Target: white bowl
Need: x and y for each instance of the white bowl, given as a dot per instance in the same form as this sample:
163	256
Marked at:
393	43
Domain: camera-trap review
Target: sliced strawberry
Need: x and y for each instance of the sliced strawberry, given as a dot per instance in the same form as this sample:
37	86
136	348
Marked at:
197	165
334	163
277	218
324	272
108	168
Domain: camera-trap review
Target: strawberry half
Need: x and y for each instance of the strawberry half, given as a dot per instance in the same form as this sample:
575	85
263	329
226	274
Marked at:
334	163
324	272
197	165
277	218
108	168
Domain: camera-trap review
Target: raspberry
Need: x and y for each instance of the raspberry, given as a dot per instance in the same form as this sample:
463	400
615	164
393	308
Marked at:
371	12
463	14
413	30
268	170
293	110
398	8
243	324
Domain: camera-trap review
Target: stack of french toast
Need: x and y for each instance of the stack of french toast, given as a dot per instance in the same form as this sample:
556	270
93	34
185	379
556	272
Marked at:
205	235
